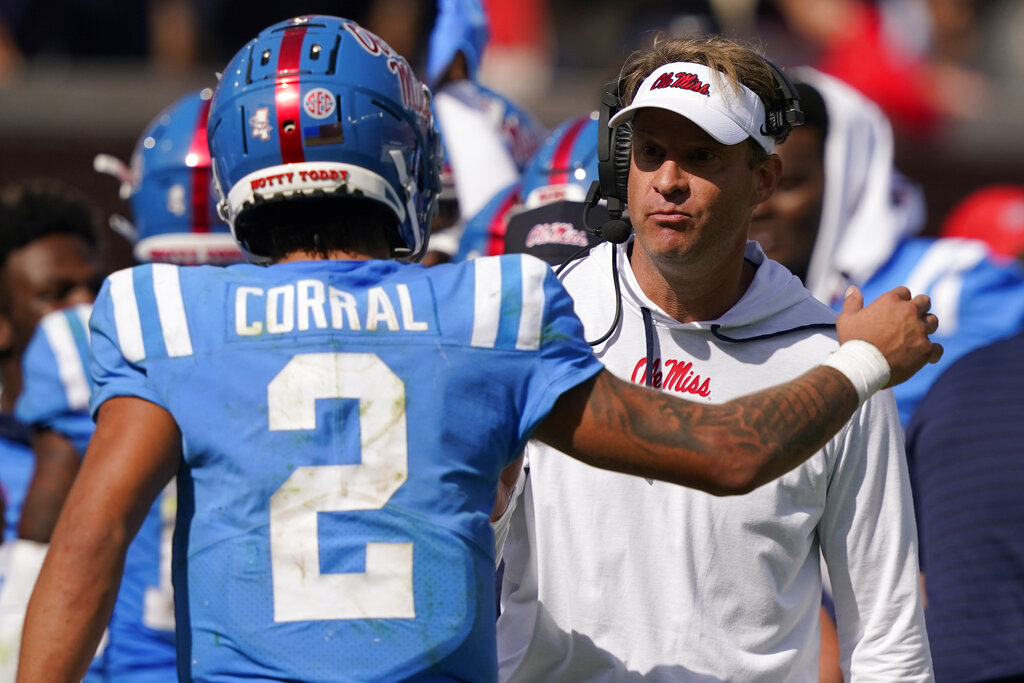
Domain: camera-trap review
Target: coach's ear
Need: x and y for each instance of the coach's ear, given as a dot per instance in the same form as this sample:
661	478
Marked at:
765	179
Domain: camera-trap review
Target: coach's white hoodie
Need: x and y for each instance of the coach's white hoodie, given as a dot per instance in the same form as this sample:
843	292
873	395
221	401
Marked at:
615	578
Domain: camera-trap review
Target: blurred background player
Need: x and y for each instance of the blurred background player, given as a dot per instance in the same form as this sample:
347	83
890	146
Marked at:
844	215
484	232
48	260
542	214
288	420
549	223
487	138
170	191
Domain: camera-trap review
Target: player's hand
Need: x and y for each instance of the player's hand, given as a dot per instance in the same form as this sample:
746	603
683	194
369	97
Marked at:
897	324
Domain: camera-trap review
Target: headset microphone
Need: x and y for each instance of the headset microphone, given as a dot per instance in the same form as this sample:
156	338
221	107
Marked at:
615	230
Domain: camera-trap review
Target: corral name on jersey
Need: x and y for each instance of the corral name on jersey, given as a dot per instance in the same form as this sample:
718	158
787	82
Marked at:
310	304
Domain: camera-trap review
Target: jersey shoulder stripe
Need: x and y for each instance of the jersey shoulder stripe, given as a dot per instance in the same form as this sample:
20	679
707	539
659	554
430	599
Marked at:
171	309
127	321
531	319
508	302
149	312
67	334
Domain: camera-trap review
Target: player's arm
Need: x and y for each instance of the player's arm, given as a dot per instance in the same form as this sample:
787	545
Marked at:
57	462
134	452
734	447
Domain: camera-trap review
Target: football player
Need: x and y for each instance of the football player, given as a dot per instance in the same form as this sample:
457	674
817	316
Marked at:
487	138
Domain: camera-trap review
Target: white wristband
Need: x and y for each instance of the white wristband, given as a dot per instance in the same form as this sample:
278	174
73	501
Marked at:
863	364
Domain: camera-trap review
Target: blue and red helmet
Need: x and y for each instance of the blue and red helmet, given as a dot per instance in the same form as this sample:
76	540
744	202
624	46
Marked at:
550	222
170	189
318	105
564	166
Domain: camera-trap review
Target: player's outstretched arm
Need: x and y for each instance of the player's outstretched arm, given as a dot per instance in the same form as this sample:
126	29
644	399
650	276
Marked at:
132	455
734	447
893	324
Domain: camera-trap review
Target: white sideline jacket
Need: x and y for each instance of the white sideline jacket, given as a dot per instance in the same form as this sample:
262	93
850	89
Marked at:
610	577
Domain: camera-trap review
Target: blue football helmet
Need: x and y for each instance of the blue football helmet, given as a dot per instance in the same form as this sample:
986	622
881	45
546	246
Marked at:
319	105
564	166
170	190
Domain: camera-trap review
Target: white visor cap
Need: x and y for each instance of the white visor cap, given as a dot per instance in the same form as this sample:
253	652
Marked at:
729	114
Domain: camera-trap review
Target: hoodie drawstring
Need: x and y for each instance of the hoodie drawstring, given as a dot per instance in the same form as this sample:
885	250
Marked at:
649	338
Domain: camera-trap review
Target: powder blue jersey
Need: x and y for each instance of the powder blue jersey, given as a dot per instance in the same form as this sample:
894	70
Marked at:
140	645
344	427
976	297
56	381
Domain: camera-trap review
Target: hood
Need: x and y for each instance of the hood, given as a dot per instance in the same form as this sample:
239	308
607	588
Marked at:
775	303
868	206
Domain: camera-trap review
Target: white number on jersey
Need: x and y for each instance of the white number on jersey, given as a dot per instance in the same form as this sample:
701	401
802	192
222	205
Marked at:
301	592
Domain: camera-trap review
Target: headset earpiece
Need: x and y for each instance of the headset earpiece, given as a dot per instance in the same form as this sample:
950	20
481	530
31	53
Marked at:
614	148
785	112
622	154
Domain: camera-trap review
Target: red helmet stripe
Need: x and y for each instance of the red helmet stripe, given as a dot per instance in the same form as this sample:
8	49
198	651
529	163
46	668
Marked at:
287	97
499	225
560	160
199	176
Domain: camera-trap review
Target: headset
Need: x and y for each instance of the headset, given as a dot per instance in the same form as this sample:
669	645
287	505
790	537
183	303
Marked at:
614	150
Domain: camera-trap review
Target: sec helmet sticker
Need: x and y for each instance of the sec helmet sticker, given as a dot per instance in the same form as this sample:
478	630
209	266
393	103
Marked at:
319	103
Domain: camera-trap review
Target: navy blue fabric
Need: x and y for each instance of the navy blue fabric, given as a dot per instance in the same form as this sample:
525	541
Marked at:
965	446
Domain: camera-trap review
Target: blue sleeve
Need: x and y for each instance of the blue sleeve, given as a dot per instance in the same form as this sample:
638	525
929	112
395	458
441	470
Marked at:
116	321
566	358
56	388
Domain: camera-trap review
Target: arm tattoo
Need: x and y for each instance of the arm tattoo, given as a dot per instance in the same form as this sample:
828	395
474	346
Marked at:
760	435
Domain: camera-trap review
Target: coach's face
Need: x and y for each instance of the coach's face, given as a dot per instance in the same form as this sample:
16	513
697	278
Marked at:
690	197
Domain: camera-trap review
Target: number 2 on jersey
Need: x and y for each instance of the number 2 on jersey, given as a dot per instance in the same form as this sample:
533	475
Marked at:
301	591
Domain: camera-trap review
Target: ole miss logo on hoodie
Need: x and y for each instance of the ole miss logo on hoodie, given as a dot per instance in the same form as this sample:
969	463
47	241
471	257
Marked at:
678	376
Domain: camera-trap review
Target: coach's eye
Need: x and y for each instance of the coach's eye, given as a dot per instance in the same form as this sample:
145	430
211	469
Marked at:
265	58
